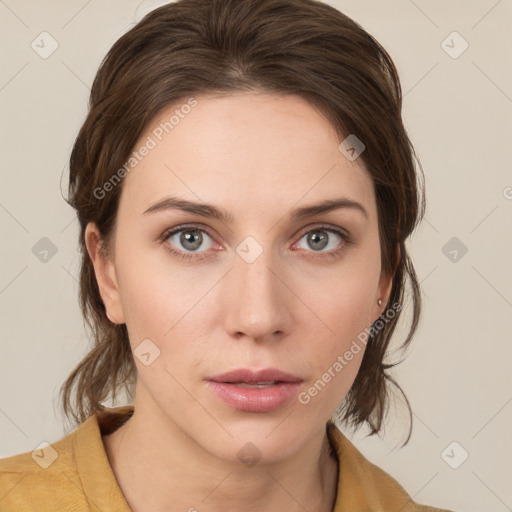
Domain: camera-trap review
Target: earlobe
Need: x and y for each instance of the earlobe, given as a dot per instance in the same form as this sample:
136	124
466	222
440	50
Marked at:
104	270
383	293
385	287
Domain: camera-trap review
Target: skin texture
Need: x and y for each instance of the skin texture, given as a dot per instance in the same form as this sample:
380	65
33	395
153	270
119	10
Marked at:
257	156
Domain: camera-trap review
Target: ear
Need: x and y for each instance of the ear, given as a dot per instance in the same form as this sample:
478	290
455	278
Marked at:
104	270
384	288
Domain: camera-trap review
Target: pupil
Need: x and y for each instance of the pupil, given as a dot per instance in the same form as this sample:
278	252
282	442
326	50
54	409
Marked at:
188	237
318	238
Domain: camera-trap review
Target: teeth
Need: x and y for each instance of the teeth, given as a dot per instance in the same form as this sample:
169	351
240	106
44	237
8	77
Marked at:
256	385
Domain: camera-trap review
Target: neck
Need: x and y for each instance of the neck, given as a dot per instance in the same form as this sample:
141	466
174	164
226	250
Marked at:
159	467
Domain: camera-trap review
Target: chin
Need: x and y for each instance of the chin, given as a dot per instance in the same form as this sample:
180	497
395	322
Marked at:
263	440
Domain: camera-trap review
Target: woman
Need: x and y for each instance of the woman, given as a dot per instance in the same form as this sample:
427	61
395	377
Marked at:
245	188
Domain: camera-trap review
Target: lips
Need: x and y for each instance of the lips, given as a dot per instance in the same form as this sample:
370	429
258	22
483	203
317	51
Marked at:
252	391
267	376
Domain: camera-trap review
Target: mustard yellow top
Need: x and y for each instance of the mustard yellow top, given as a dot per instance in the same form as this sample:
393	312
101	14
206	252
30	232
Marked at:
74	475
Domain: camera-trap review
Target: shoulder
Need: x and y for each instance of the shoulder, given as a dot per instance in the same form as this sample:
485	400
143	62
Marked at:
71	474
43	479
365	486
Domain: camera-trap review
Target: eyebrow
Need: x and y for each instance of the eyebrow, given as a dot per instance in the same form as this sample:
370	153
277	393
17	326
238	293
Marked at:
211	211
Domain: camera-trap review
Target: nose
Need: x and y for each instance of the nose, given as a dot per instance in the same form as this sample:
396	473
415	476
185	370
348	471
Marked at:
258	302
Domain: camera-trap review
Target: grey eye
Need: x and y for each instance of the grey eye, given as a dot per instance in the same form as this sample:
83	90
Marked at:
189	239
318	239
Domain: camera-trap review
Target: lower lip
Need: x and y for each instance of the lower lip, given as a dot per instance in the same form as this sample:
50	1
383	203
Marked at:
255	399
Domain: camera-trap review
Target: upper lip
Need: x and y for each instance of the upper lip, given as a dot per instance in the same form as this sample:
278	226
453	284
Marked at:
254	376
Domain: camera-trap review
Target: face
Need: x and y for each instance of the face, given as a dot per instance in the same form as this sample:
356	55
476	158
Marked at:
260	287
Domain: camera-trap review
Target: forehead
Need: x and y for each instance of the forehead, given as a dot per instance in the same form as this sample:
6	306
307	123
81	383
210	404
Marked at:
254	151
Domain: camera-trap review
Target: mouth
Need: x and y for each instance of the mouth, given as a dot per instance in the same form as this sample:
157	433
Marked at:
256	385
266	377
255	391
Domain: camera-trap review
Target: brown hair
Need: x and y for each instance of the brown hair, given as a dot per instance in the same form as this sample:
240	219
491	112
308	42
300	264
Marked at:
194	47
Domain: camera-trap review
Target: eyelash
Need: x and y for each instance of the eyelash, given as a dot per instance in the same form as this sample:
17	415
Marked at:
188	256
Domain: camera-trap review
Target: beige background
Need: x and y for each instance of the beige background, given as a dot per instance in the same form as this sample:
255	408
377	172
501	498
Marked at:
458	114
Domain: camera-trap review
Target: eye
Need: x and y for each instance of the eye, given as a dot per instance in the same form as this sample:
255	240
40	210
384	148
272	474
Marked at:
325	237
187	240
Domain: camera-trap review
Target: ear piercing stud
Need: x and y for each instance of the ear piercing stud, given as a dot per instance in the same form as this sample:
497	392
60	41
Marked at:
379	302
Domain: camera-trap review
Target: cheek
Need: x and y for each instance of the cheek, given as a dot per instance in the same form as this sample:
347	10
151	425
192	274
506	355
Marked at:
168	305
335	358
347	298
347	316
345	304
151	288
351	305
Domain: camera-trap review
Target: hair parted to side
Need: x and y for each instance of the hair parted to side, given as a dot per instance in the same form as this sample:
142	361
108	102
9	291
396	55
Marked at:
194	47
